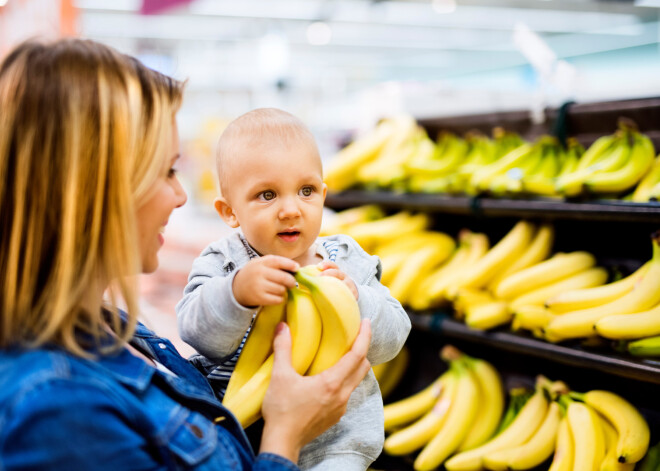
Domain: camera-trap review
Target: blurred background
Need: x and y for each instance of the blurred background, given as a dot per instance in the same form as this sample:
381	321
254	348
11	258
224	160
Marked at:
341	65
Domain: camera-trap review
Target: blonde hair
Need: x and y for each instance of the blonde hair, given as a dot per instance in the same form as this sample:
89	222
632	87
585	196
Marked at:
256	128
83	138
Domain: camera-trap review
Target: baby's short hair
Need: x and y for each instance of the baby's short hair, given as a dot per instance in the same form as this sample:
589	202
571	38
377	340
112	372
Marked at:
254	128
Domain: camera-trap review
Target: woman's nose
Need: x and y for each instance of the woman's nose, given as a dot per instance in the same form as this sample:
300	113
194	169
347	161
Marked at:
181	195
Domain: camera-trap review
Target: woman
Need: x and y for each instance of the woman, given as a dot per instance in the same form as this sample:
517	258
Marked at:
88	143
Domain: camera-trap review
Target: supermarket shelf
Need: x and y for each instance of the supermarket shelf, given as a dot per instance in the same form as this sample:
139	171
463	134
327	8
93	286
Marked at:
573	354
595	210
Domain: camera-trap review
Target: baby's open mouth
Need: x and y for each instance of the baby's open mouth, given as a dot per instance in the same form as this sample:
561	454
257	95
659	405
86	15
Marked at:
288	235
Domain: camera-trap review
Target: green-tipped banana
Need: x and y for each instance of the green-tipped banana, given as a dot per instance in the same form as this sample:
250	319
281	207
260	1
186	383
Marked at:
648	347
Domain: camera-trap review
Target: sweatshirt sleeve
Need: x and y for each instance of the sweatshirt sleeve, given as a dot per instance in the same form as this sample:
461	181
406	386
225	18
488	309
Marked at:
390	324
209	317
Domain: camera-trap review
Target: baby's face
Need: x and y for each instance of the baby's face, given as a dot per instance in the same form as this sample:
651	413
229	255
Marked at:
277	192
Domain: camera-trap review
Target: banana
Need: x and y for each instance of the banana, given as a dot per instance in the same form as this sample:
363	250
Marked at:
245	404
411	408
482	178
341	172
442	284
648	347
422	294
531	453
596	151
394	370
651	461
618	180
304	320
585	279
611	462
518	432
339	312
588	437
531	317
370	234
488	315
498	258
581	323
556	268
415	241
460	417
563	457
393	173
337	223
518	397
537	251
630	326
418	434
642	192
575	300
451	153
391	264
631	427
257	348
491	403
467	298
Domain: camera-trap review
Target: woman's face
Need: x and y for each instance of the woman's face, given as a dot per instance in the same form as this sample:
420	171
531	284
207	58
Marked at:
166	195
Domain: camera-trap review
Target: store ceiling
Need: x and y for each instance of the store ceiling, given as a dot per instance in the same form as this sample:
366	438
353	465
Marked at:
353	43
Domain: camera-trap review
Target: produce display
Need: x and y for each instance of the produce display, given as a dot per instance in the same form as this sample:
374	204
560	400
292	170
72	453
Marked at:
324	320
389	374
517	281
464	421
399	155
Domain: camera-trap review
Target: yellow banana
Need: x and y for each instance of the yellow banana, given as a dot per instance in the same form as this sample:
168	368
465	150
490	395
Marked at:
467	298
630	326
575	300
442	285
339	312
337	223
246	403
304	321
554	269
588	437
611	461
531	317
518	432
370	234
563	457
588	278
596	150
415	241
646	347
652	177
491	403
631	427
534	451
482	177
394	371
411	408
537	251
391	265
487	315
341	172
418	434
258	346
498	258
618	180
460	417
581	323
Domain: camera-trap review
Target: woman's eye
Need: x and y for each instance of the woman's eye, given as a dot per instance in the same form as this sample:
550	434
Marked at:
268	195
172	172
306	191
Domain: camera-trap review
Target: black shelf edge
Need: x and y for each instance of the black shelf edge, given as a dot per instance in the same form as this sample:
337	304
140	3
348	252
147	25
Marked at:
645	370
596	210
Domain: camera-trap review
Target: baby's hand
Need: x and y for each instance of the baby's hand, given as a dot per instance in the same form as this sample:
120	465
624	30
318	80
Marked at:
329	268
264	281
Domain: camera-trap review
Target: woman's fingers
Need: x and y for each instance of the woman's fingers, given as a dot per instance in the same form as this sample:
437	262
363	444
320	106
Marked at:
282	349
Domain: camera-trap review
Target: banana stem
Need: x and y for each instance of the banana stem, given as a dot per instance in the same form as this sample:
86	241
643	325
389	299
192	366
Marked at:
450	353
576	396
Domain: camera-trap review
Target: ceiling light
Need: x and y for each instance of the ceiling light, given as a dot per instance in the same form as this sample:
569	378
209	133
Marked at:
318	33
444	6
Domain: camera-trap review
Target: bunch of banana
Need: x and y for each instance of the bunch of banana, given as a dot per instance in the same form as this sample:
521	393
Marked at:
643	296
557	163
612	164
399	225
442	419
450	151
324	319
339	222
389	374
342	170
649	187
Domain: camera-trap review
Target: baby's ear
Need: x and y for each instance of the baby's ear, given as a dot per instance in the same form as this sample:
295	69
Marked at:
226	212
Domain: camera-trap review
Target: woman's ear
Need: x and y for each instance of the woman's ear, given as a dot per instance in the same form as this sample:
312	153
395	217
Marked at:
226	212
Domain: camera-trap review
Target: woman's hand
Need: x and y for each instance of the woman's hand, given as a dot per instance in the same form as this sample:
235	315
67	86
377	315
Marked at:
298	408
329	268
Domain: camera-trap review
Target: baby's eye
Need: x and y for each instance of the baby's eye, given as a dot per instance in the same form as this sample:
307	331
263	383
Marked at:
267	195
307	191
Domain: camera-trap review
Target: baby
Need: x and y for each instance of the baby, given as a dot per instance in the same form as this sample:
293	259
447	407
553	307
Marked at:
272	190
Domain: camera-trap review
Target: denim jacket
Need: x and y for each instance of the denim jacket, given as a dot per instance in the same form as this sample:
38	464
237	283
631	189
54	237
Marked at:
61	412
